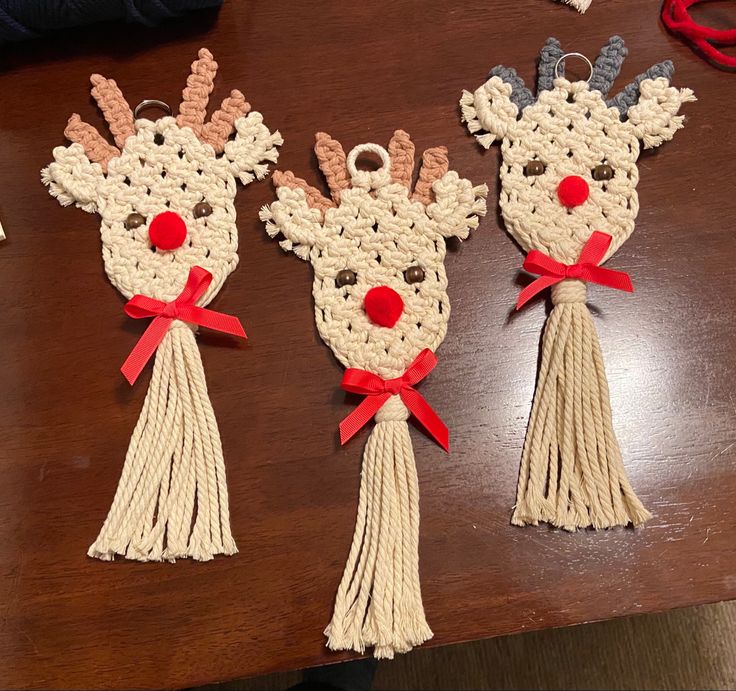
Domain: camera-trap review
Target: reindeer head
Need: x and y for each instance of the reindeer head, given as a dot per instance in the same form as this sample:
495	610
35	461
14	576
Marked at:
165	192
569	155
377	249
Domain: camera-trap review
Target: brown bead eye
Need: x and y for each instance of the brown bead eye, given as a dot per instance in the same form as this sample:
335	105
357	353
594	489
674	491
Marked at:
534	167
602	172
202	209
134	220
414	274
346	277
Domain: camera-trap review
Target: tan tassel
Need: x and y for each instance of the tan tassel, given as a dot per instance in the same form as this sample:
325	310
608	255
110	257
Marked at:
379	601
171	500
572	474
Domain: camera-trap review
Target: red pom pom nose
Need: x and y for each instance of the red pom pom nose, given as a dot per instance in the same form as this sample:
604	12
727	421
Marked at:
383	306
572	191
167	231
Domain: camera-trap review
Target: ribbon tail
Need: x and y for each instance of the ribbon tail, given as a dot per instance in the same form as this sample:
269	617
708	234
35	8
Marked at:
354	422
535	287
610	278
145	348
425	415
217	321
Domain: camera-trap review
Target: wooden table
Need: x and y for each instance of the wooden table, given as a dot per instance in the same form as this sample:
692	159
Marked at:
357	72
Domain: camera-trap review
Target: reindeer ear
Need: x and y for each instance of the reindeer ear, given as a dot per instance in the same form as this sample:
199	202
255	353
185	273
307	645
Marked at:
457	205
72	178
490	111
253	148
295	215
654	117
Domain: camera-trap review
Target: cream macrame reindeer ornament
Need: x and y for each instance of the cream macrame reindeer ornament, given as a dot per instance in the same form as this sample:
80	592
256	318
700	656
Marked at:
380	294
568	197
165	194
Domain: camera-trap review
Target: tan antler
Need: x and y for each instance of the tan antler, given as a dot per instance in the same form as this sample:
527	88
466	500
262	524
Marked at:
315	199
434	165
118	115
194	100
114	107
332	163
401	152
197	92
222	123
98	150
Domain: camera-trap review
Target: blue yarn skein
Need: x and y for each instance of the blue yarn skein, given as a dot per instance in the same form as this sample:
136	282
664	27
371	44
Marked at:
24	19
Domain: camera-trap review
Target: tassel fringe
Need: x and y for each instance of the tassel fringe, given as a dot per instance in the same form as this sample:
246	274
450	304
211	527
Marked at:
572	475
379	600
171	500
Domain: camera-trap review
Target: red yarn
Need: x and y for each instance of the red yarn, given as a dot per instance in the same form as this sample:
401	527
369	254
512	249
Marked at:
677	19
572	191
167	231
383	305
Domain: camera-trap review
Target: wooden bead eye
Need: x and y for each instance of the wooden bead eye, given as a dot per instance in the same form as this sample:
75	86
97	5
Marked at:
202	209
346	277
602	172
534	167
414	274
134	220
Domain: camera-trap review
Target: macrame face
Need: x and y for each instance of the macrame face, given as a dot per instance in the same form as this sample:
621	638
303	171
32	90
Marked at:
569	156
568	196
380	288
380	294
166	193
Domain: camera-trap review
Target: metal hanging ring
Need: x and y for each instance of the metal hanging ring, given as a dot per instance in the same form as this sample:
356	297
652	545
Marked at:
574	55
151	103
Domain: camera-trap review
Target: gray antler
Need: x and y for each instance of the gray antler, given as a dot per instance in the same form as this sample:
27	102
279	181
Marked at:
521	97
608	65
548	58
629	96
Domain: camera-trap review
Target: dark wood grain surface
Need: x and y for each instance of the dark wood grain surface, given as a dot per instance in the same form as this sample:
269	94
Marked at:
357	70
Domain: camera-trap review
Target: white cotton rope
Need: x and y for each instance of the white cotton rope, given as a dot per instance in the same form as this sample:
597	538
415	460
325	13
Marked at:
171	500
379	601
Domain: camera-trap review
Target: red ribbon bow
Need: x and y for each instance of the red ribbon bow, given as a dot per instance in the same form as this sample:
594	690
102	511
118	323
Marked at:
378	391
551	271
164	313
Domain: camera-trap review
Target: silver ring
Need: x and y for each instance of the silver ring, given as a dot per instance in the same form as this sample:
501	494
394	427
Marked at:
151	103
574	55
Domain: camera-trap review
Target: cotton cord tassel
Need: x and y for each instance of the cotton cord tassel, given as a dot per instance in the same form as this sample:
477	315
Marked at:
579	5
572	475
172	499
379	601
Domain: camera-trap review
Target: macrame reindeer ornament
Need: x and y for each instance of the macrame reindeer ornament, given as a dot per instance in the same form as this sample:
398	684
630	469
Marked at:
568	197
380	294
165	193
